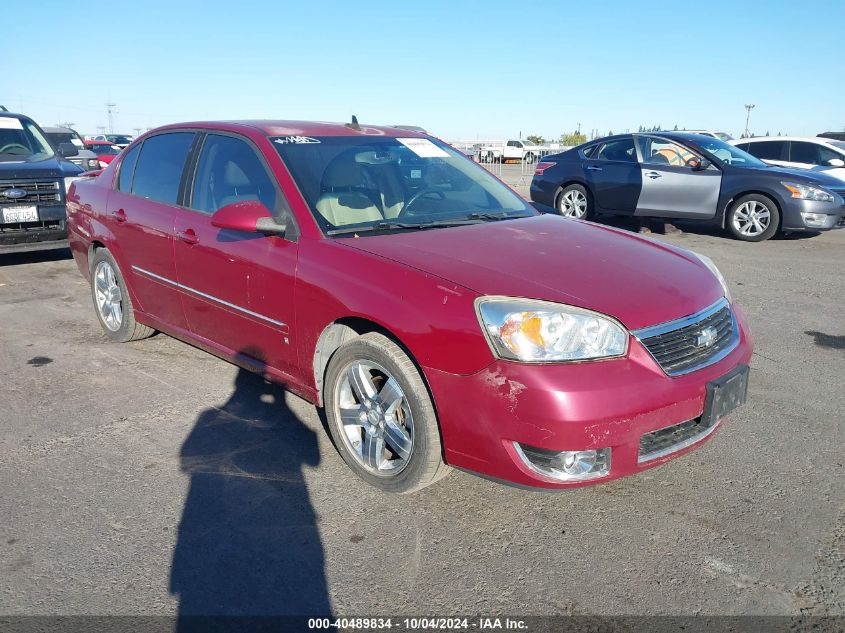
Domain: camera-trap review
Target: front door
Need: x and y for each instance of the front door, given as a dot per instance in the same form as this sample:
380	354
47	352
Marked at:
141	212
613	174
237	287
673	185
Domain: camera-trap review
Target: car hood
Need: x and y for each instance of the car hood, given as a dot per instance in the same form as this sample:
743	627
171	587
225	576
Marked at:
49	168
803	176
639	281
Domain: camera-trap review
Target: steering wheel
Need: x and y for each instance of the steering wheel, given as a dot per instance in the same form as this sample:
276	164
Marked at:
8	146
423	192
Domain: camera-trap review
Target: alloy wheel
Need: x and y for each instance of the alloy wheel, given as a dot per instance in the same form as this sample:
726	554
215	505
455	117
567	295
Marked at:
751	218
377	424
573	204
108	296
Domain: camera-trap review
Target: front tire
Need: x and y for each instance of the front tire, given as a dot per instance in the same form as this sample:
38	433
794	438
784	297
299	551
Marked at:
112	301
381	417
753	218
574	202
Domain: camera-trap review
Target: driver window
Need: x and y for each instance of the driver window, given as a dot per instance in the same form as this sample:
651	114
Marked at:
229	171
659	151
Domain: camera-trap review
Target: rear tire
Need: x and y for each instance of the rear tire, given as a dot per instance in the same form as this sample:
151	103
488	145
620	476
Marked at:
112	301
381	417
753	218
574	202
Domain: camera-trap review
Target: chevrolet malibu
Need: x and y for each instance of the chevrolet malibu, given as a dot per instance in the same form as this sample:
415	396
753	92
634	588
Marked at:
436	317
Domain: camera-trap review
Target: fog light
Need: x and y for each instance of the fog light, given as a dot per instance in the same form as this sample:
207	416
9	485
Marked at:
814	219
565	465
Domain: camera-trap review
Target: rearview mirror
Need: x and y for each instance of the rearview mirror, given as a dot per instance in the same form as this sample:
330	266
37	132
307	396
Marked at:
68	149
247	216
836	162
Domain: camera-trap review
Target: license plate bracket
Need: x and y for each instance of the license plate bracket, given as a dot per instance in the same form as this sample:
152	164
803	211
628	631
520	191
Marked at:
14	215
725	394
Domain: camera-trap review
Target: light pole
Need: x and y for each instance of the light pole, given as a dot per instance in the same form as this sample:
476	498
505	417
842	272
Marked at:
110	109
748	108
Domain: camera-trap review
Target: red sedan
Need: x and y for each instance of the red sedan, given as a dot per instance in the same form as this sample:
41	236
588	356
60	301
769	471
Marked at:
438	319
105	151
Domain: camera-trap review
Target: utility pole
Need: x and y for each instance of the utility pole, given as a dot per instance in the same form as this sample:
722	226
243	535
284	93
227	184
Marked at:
748	108
110	108
579	129
137	131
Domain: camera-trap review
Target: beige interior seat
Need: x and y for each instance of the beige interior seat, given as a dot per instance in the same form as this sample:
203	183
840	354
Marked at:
340	203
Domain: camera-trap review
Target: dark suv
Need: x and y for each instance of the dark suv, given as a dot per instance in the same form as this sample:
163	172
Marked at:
33	181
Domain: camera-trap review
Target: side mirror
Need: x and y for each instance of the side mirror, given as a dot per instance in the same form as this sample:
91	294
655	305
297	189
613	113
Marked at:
698	164
67	150
247	216
836	162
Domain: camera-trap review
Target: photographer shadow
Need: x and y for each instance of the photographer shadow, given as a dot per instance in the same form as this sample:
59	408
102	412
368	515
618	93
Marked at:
248	544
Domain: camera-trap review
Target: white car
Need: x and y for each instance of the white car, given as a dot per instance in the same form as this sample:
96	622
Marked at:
810	152
722	136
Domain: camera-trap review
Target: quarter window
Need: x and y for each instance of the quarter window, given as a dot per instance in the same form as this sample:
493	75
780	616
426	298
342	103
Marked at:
229	171
768	150
618	150
160	165
127	168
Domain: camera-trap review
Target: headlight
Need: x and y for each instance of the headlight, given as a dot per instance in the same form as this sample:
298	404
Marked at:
805	192
69	180
534	331
103	164
93	163
716	273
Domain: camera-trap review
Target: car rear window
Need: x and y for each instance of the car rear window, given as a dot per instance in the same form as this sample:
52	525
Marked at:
160	165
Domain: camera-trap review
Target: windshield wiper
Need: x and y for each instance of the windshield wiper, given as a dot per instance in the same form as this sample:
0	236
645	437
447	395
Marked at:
393	225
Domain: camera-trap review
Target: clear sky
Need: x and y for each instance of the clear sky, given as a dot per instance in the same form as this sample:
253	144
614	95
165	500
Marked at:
460	69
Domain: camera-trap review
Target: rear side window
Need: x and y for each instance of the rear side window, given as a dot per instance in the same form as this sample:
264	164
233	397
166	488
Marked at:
158	172
127	168
810	153
768	150
618	150
229	171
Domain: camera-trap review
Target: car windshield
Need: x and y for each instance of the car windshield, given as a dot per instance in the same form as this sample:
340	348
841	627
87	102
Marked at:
56	138
116	138
839	144
724	137
104	148
370	183
728	153
21	140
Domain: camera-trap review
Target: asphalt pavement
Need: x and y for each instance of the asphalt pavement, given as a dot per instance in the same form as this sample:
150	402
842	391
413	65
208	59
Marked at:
153	478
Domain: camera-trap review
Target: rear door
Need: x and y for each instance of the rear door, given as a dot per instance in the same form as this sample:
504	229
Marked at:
672	186
141	213
612	172
237	287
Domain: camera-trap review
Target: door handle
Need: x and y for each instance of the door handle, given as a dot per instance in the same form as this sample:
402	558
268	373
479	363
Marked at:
120	215
653	174
593	168
188	236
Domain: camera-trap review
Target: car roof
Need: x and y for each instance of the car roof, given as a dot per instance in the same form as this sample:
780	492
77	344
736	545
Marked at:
819	140
297	128
95	141
56	128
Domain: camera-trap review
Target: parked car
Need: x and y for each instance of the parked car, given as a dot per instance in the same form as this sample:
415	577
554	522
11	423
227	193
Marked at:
722	136
690	176
521	150
384	276
33	179
85	158
105	152
836	136
121	140
819	154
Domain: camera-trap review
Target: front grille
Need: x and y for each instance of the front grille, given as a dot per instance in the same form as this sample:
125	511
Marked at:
37	191
673	438
23	227
692	342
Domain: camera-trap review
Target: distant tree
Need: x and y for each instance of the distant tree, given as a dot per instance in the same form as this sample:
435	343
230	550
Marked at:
536	138
675	128
576	138
778	132
640	129
610	132
767	133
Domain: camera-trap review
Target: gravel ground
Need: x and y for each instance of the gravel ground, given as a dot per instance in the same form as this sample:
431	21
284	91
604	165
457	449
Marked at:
151	478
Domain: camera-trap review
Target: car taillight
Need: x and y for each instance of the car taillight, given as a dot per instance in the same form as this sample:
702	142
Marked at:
541	167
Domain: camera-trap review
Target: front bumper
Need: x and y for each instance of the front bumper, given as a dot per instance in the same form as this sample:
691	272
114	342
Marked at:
570	407
812	215
49	232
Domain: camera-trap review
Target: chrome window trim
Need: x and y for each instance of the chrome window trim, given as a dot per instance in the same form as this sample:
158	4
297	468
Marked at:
692	319
648	457
176	284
